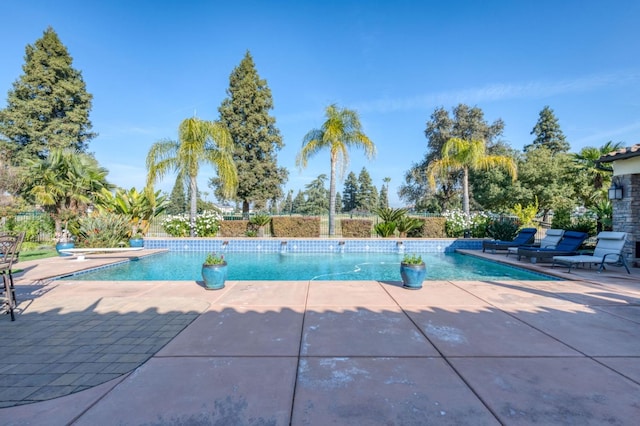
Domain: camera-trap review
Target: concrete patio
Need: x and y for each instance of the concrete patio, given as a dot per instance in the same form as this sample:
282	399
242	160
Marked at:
321	352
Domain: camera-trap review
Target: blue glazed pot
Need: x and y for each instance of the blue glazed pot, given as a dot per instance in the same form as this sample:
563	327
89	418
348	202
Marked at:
62	246
214	276
412	275
136	242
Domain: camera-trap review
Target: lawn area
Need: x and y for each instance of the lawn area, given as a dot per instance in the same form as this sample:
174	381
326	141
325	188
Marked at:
37	253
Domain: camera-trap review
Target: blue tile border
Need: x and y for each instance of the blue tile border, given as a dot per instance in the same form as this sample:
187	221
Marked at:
318	245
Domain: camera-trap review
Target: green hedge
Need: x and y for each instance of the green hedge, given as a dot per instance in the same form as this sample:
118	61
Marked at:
295	227
432	227
233	228
356	228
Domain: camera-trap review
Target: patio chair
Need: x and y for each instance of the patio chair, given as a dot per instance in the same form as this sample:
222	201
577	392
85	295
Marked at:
525	236
8	250
550	240
568	246
608	251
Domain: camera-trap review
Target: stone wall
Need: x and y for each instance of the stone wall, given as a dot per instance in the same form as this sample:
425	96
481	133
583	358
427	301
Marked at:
626	213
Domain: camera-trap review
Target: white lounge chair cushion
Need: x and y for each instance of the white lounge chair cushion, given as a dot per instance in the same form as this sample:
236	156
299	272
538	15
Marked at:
552	238
609	243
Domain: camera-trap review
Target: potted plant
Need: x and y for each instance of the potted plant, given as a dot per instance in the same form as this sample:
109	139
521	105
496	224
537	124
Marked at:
136	240
412	270
214	271
64	240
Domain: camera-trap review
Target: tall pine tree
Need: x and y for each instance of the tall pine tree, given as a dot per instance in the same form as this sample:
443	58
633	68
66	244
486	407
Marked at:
177	200
245	112
298	203
367	196
48	106
548	134
383	202
287	207
350	192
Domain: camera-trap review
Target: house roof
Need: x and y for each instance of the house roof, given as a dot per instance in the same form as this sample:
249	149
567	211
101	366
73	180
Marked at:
621	154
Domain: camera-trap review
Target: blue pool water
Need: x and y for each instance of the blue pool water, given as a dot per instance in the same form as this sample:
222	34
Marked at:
173	266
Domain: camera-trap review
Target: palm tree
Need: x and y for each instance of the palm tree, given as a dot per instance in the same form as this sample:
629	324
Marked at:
464	155
65	183
340	131
199	141
587	162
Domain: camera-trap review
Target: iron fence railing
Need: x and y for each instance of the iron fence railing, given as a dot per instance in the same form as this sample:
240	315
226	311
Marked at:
39	227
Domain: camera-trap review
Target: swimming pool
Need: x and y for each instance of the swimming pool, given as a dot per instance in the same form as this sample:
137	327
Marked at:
172	266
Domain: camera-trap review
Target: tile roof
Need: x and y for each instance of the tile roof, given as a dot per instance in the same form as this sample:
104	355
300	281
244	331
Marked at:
621	154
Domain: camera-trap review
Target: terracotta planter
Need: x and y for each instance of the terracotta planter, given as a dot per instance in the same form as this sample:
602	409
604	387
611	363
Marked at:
412	275
214	276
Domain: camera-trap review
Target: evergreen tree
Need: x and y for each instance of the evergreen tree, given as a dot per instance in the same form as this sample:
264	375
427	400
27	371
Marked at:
338	203
256	139
350	192
177	200
287	207
383	203
297	206
317	197
367	196
548	134
48	106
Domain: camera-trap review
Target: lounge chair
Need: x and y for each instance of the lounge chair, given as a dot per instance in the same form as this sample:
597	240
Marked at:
567	246
608	250
525	236
550	240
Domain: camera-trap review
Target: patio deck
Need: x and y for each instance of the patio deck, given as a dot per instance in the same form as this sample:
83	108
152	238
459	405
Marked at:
323	352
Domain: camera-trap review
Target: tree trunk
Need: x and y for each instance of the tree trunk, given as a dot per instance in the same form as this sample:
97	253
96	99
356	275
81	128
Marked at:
332	197
245	209
193	185
465	191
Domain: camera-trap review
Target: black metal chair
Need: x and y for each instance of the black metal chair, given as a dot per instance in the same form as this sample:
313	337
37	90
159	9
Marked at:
9	253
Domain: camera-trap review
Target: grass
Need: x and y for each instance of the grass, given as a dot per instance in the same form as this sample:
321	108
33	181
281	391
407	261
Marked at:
41	253
33	251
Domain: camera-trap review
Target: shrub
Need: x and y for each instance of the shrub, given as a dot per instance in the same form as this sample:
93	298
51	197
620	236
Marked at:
457	222
584	223
430	227
356	228
34	227
295	227
233	228
527	214
207	225
103	230
504	229
561	218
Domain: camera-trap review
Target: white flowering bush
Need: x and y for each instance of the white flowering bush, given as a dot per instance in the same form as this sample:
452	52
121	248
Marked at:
457	222
207	224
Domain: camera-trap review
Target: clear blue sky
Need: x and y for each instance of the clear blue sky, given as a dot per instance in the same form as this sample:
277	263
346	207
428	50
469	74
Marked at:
151	64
